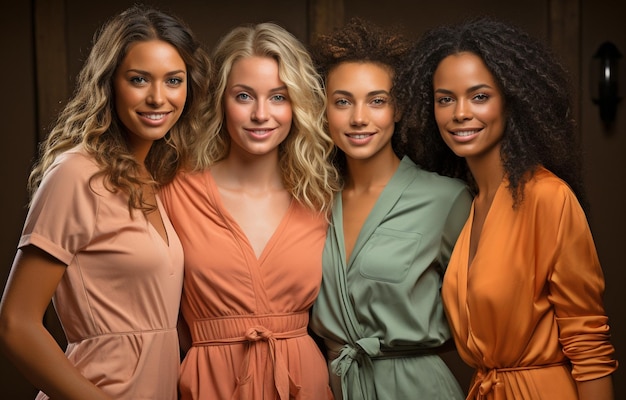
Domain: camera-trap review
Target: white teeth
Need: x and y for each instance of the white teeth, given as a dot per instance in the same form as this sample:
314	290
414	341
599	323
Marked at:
359	136
465	133
154	117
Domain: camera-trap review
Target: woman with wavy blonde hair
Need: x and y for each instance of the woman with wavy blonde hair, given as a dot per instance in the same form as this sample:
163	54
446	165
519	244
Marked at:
97	239
252	216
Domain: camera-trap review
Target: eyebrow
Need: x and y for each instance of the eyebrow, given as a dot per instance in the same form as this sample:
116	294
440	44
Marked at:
469	90
139	71
250	89
349	94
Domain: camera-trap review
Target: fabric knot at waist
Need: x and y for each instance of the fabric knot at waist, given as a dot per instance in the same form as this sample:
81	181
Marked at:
352	362
488	383
248	328
253	330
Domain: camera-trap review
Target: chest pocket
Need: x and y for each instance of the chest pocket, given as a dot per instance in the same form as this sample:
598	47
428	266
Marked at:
388	255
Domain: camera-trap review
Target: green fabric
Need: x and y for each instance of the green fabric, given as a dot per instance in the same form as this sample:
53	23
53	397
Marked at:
387	297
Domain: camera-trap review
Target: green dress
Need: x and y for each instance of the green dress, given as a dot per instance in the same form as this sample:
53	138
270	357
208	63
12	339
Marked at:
380	315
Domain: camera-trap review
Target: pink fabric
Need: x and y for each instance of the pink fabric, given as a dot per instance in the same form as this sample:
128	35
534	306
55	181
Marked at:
119	298
248	317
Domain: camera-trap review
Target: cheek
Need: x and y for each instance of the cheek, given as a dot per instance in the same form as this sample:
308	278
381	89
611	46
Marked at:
285	115
336	121
232	112
440	118
495	117
123	105
121	99
180	98
385	119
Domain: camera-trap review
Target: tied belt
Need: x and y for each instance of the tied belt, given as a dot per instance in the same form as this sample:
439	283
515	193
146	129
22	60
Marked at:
488	382
363	352
253	331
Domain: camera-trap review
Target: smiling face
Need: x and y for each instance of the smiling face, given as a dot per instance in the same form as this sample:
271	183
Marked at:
150	89
469	107
257	108
361	114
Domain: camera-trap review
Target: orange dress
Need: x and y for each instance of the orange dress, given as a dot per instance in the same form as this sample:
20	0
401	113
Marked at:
527	313
248	316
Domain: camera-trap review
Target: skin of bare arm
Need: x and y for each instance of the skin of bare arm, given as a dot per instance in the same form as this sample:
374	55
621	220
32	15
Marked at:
23	337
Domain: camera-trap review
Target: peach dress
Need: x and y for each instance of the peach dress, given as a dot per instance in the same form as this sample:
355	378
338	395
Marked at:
528	312
119	297
247	316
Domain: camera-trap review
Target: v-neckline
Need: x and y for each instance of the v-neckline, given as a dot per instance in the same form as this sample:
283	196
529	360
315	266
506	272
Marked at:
397	183
234	225
482	231
160	210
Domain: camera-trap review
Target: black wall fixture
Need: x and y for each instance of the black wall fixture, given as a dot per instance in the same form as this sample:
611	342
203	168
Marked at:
604	81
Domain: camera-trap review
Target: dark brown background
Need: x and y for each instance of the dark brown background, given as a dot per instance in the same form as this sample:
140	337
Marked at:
45	41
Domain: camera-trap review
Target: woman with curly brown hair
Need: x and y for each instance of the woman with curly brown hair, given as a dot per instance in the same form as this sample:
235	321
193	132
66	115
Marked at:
379	310
523	290
96	238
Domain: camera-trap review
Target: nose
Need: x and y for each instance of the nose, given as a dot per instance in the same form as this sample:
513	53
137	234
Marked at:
359	116
462	111
259	112
156	96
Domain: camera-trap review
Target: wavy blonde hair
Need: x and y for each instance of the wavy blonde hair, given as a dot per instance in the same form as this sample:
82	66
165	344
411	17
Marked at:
304	156
89	118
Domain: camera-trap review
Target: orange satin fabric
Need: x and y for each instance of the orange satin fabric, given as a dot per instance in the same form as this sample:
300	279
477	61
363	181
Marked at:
528	312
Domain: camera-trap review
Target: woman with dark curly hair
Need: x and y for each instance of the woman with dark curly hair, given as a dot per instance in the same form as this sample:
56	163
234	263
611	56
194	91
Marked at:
523	290
97	239
393	228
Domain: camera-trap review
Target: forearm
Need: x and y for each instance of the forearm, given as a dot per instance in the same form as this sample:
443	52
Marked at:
596	389
37	355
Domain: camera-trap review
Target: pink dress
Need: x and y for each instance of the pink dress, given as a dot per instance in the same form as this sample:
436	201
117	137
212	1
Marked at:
119	297
248	317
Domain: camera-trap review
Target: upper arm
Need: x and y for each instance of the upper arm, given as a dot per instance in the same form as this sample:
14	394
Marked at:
33	279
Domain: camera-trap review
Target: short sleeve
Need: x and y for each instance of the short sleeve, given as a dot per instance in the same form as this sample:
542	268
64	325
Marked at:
63	212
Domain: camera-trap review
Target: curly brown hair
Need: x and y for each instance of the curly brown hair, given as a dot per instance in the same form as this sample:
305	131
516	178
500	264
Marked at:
539	131
364	42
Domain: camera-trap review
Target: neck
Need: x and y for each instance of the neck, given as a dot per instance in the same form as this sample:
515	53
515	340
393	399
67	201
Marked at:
253	173
372	172
488	173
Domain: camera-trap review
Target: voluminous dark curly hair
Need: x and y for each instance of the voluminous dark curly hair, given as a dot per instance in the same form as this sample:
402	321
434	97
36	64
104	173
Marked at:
361	41
539	131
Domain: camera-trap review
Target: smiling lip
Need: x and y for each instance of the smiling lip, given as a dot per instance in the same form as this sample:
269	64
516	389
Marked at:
464	132
359	136
260	133
465	135
154	117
